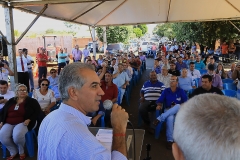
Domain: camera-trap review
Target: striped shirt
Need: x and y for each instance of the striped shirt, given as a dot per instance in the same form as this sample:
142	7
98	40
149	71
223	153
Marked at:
64	134
152	91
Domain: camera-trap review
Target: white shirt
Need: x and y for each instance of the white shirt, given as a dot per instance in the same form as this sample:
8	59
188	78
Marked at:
164	79
67	58
4	74
19	66
7	96
193	74
29	62
44	100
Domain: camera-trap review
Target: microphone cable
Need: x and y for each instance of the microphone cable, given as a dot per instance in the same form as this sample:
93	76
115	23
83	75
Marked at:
134	147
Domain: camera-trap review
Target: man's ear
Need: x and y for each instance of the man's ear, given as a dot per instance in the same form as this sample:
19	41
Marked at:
177	153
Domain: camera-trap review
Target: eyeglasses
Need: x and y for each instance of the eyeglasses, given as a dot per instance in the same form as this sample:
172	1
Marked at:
44	84
22	91
53	72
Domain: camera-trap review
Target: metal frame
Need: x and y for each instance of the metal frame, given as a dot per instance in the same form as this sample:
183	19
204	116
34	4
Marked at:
234	25
169	8
32	23
88	10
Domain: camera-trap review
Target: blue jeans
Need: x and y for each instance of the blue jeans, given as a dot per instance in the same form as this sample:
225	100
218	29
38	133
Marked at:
154	53
169	124
30	73
60	66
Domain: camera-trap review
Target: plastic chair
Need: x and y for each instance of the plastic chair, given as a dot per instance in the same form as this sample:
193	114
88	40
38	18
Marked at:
230	86
102	121
29	144
190	92
30	94
229	93
227	80
197	82
203	71
119	96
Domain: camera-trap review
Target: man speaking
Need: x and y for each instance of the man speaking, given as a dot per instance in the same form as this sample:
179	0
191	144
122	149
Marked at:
64	133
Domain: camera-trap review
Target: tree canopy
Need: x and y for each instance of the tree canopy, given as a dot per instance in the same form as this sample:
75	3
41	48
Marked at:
115	34
205	33
138	32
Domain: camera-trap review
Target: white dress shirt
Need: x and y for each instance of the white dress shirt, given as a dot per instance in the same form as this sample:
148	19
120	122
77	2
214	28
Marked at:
193	74
4	74
7	96
29	62
164	79
19	66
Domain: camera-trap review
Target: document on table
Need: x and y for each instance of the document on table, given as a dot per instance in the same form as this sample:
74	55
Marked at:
104	136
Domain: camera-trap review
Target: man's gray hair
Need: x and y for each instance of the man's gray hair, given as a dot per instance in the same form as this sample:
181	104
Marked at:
71	76
208	127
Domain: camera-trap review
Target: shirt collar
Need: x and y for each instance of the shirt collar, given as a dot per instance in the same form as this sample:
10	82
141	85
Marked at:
75	112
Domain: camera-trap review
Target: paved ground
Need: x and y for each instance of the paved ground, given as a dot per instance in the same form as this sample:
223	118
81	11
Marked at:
158	149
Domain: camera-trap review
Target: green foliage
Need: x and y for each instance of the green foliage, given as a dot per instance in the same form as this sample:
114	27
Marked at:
143	27
17	33
165	30
138	32
49	31
115	34
72	28
205	33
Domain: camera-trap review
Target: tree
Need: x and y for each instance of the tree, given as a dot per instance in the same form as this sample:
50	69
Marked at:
143	27
138	32
205	33
17	33
49	31
72	28
115	34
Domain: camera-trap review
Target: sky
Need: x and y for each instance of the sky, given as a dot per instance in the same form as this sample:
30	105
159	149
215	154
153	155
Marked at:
23	19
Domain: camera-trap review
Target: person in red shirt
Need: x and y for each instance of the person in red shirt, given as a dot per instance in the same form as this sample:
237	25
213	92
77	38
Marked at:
225	55
42	60
110	93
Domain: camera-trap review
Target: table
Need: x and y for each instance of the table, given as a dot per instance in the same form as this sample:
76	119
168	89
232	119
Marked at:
139	136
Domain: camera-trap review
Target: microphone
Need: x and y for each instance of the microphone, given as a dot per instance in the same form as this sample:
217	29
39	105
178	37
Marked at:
107	104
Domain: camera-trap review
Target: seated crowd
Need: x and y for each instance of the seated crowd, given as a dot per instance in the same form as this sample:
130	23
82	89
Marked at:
174	79
170	82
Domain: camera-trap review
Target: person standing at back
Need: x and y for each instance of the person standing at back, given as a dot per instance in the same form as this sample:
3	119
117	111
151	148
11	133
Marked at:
86	53
42	60
22	69
29	65
77	54
237	51
61	60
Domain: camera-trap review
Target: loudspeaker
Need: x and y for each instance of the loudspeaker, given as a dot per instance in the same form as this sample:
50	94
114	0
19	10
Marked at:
3	47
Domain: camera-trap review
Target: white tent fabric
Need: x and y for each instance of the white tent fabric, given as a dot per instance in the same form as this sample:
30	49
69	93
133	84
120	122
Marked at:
123	12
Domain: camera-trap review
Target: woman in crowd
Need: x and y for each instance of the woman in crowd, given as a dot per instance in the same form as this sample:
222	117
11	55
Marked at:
220	71
44	96
206	61
19	116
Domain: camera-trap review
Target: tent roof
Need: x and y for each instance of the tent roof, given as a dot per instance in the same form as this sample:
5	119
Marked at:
123	12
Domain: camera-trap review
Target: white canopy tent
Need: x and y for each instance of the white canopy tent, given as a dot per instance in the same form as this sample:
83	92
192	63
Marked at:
122	12
117	12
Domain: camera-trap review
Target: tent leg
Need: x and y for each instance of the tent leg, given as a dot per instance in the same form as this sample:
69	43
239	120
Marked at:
105	38
234	25
94	41
8	11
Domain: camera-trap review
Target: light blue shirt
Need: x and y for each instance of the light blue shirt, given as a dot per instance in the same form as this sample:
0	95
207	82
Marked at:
62	60
120	79
185	83
64	134
53	81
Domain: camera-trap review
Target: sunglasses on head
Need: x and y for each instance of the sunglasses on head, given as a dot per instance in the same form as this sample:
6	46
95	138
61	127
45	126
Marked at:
44	84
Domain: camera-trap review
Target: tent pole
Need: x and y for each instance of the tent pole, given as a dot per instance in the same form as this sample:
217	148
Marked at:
31	24
94	41
87	11
104	38
234	25
232	6
8	11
